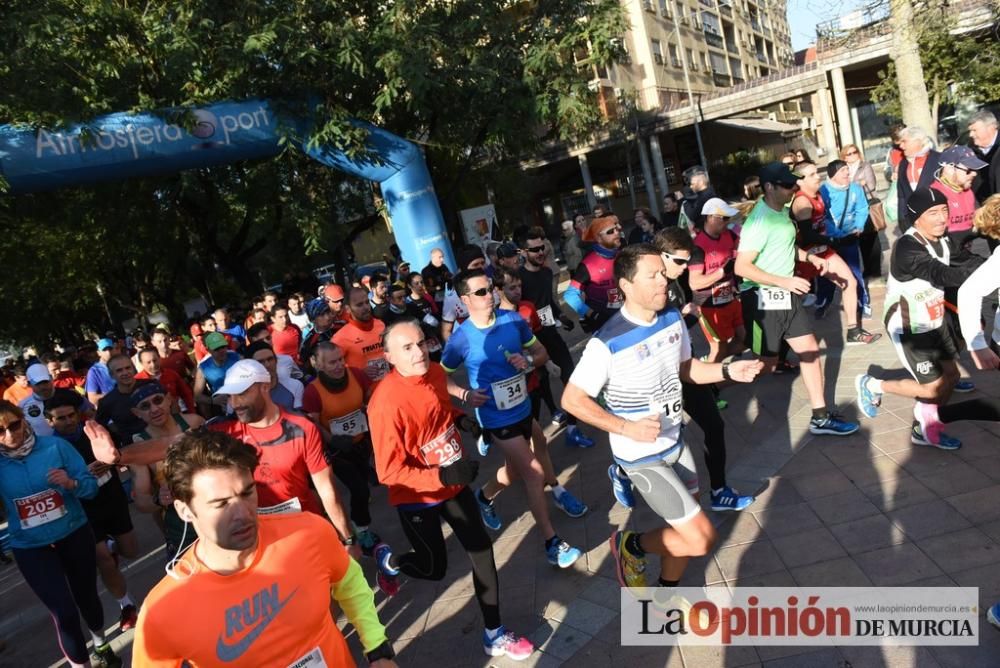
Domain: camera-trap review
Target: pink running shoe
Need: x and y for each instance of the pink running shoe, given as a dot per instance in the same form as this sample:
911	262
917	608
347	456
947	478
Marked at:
927	416
508	644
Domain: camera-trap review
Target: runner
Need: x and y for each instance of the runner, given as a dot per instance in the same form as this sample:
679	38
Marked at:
33	406
21	388
772	296
809	211
115	408
379	297
286	337
319	329
297	313
99	381
922	265
505	416
361	338
224	325
152	369
149	487
714	283
211	371
335	401
42	479
701	402
637	362
419	456
283	394
107	512
538	287
592	292
253	591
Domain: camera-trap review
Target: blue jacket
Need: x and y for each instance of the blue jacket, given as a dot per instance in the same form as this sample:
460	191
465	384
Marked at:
20	478
835	199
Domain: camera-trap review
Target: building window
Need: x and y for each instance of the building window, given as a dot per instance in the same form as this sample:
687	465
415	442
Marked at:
657	52
690	59
665	8
705	61
675	58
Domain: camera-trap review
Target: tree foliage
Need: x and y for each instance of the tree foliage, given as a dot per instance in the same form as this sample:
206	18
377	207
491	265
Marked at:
957	67
469	79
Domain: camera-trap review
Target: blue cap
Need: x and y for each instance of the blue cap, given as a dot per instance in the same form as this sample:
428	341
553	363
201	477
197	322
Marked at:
105	344
316	307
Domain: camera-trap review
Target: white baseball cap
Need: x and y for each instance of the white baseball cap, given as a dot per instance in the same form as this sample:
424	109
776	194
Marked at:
37	373
718	207
242	375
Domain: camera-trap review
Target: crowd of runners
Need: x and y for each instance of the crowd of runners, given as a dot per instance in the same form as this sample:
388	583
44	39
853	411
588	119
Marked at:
254	446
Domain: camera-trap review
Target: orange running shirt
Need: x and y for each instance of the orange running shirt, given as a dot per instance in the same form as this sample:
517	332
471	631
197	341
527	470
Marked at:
276	612
362	346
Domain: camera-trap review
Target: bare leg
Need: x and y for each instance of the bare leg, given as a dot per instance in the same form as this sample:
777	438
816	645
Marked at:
841	275
523	462
812	371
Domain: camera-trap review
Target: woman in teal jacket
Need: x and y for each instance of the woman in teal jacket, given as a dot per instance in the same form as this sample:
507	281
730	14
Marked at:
42	479
846	215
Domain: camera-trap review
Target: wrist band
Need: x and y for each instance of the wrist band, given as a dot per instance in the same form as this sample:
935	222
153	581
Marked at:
725	371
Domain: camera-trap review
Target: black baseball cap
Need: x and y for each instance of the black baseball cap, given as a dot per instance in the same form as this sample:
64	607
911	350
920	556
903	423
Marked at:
780	173
922	199
506	250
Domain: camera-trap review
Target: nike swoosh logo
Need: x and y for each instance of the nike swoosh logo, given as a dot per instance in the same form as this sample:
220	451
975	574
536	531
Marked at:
227	652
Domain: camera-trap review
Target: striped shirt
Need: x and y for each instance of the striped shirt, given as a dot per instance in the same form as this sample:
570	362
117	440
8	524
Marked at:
636	365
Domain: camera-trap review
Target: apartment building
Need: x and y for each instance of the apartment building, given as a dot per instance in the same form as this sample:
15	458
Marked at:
719	42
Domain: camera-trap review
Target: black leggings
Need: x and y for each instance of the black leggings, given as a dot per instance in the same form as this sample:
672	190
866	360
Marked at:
559	354
985	409
429	558
64	577
699	402
351	468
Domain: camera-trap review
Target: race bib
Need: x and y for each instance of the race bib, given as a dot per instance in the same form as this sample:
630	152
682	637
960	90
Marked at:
39	509
378	368
614	298
935	310
509	392
670	407
443	450
313	659
722	293
352	424
545	315
283	508
773	299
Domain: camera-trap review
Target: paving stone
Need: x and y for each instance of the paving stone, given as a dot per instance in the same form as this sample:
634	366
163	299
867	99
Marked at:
818	485
962	550
979	506
808	547
748	559
843	507
928	519
784	520
895	494
842	572
581	615
867	534
897	565
558	639
958	478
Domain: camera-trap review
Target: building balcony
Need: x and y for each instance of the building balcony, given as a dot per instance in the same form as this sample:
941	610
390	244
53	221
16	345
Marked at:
722	80
732	48
713	39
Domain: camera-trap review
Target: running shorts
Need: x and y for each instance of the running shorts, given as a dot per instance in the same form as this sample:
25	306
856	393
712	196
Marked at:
669	485
719	323
520	428
922	354
108	511
766	329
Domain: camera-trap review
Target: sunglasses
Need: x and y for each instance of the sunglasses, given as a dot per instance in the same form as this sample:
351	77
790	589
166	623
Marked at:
614	230
851	153
482	292
679	261
12	428
966	170
152	401
535	249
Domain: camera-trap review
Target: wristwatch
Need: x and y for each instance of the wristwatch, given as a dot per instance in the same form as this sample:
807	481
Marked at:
383	651
530	359
725	371
350	540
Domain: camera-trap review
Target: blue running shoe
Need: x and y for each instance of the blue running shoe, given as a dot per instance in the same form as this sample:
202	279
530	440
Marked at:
622	486
993	615
868	401
571	505
944	441
489	512
965	385
576	437
832	424
482	446
386	576
559	418
729	499
561	554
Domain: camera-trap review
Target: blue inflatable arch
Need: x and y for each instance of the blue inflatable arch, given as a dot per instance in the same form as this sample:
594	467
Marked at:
122	145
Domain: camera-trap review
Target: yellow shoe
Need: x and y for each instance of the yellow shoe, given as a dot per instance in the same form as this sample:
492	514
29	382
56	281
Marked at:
631	570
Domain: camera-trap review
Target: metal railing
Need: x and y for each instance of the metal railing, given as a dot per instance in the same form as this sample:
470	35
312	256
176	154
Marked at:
753	83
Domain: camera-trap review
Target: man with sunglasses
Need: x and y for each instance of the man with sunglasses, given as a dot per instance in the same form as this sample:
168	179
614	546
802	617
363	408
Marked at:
959	166
498	348
454	313
538	288
771	294
592	292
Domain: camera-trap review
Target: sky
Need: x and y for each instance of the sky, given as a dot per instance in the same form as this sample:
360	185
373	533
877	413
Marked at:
803	15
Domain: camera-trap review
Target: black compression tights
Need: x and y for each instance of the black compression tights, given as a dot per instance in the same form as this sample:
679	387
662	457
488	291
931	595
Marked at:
985	409
429	558
699	402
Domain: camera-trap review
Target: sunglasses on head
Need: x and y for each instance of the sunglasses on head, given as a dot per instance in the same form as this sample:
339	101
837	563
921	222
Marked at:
152	401
679	261
12	428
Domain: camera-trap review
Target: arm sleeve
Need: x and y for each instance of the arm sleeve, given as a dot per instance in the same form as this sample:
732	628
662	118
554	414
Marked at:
357	601
808	234
980	284
574	293
868	175
77	469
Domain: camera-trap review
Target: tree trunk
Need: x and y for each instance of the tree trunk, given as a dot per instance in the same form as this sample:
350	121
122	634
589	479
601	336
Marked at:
909	70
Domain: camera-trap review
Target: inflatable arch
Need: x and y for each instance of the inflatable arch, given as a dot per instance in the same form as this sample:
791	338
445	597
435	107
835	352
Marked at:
122	145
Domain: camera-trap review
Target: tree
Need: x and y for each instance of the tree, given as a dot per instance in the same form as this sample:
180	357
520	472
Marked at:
952	66
471	80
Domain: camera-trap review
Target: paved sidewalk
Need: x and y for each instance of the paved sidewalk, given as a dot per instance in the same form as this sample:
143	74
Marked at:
869	509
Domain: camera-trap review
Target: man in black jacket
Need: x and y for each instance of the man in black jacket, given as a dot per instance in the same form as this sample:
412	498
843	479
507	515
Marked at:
697	191
917	169
983	142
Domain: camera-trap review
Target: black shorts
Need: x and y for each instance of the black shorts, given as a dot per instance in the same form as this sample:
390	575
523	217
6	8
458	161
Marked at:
766	329
108	511
922	354
520	428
